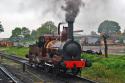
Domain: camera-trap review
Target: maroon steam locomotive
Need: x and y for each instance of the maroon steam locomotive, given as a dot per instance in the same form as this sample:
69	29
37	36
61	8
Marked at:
58	53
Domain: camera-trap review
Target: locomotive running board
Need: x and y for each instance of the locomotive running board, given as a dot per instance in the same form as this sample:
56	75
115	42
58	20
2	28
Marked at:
49	64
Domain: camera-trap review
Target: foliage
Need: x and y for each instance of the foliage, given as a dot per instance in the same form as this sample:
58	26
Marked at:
42	30
1	28
50	25
19	34
16	32
47	28
25	32
34	34
109	27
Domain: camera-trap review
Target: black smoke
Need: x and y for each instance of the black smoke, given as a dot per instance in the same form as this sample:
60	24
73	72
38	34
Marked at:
60	9
72	8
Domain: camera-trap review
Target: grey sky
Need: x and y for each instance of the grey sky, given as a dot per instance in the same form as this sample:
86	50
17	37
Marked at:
32	13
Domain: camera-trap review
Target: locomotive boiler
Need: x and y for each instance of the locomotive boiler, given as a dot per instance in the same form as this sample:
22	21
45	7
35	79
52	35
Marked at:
58	53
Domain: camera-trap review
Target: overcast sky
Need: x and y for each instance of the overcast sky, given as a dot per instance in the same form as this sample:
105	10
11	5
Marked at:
32	13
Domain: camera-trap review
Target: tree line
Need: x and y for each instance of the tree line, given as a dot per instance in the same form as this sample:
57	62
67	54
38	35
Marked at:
107	29
24	34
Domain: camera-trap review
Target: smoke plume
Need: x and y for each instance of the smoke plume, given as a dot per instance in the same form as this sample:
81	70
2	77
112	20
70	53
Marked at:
60	9
72	9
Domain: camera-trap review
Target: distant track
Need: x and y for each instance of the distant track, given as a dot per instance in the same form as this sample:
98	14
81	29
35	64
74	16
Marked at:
68	79
14	58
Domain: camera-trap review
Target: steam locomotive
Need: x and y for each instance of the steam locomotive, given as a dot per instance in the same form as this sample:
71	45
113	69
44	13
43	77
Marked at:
58	53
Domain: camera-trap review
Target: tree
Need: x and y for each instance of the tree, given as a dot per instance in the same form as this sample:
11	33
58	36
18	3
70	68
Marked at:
25	32
109	27
34	34
105	44
50	25
1	28
106	29
47	28
16	32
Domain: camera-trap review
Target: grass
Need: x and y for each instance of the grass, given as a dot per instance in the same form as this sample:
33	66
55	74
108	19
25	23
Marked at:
21	52
104	70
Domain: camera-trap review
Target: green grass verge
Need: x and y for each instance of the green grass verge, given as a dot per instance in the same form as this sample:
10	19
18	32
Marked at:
21	52
106	70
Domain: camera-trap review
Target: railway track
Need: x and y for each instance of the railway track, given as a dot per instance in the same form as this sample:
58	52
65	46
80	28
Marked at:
54	79
60	78
7	77
79	79
14	58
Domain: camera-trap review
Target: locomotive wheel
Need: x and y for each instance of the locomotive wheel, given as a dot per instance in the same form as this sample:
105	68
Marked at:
64	71
34	60
50	44
56	69
31	61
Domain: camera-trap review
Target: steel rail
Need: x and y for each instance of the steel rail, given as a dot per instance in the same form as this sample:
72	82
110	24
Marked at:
91	81
13	78
13	57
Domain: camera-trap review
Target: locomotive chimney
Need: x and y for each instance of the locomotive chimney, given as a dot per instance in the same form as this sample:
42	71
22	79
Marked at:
70	30
59	28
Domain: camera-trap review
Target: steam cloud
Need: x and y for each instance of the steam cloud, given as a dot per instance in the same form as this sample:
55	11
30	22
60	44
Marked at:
72	9
54	7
